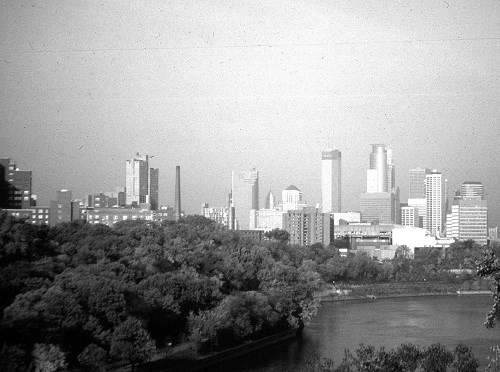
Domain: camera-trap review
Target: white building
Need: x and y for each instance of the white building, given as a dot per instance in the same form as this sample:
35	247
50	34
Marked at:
267	219
349	217
217	214
414	237
410	217
435	202
291	199
468	220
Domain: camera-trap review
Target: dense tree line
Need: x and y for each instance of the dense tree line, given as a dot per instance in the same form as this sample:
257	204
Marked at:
85	295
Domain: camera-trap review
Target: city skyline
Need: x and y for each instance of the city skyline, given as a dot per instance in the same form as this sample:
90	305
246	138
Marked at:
240	88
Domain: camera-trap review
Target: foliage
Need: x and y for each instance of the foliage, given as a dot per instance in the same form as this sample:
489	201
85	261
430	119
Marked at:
102	294
464	359
489	267
278	235
48	358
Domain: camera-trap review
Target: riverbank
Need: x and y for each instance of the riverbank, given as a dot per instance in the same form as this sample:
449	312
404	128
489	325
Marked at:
388	290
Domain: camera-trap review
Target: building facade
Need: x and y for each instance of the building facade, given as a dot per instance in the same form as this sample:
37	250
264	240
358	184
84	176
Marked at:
435	202
244	197
267	219
331	181
309	226
410	217
217	214
15	186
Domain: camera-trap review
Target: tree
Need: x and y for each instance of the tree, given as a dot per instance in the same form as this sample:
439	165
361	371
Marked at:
277	234
464	359
436	358
48	358
93	356
489	267
131	342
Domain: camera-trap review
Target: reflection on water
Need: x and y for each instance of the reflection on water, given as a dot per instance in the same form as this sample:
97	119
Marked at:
382	322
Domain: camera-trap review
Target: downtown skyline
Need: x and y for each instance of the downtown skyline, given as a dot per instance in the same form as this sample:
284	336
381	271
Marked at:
215	88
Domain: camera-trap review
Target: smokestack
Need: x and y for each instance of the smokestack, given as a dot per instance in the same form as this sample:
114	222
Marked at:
177	207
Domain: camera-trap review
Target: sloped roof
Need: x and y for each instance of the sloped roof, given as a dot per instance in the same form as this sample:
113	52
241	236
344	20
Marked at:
292	187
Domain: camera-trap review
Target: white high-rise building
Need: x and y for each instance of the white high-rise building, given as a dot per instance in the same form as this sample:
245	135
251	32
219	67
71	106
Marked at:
291	199
137	180
379	164
331	181
435	202
244	197
270	200
409	216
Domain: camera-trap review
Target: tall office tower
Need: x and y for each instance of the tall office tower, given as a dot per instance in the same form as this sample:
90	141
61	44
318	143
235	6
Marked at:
15	186
291	199
331	181
244	197
154	177
435	202
177	204
137	180
270	200
471	189
377	175
417	183
380	202
391	171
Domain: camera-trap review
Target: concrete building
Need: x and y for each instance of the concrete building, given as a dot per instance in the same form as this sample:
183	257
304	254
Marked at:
378	207
420	204
141	184
15	186
493	233
63	209
244	197
331	181
471	189
416	188
380	202
468	220
410	217
110	216
38	215
217	214
363	234
435	202
309	226
154	180
267	219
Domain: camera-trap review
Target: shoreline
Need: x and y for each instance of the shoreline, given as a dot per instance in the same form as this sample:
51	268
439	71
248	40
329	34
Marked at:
352	298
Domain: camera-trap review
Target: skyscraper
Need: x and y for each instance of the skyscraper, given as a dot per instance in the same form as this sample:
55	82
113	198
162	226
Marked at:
244	197
177	205
331	181
142	183
435	202
377	174
270	200
291	199
416	193
470	189
137	180
380	202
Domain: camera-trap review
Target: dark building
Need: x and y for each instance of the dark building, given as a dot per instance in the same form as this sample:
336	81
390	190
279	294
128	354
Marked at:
15	186
177	205
62	209
154	176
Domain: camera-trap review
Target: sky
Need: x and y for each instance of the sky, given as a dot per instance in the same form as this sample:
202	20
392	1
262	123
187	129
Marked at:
215	86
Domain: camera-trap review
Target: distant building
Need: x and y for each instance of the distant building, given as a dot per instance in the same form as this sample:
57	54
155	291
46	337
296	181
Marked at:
217	214
142	187
417	184
468	218
471	189
267	219
244	197
345	217
410	217
63	209
38	215
15	186
331	181
493	233
435	202
420	204
291	199
270	201
378	207
309	226
414	237
110	216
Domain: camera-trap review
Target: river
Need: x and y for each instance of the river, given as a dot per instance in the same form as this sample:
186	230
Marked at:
381	322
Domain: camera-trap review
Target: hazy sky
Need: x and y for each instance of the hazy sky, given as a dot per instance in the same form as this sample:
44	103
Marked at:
215	86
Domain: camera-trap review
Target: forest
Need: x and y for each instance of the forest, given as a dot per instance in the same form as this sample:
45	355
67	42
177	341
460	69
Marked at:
80	295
